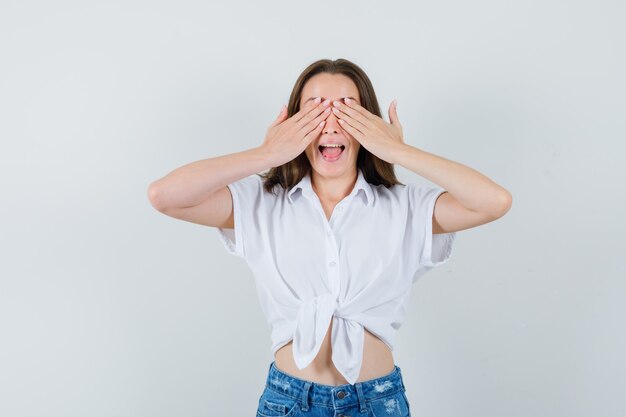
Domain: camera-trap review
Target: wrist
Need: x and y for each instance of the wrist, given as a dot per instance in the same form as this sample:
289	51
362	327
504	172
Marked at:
399	152
264	156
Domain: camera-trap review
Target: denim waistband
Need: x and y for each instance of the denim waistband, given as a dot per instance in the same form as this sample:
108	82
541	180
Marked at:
335	396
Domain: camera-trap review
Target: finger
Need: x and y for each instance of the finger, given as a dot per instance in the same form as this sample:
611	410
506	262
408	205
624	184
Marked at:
393	113
314	124
352	104
281	116
314	133
353	113
308	106
344	131
356	133
355	118
313	113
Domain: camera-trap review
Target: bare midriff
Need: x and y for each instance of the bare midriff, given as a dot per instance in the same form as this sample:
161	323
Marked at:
377	361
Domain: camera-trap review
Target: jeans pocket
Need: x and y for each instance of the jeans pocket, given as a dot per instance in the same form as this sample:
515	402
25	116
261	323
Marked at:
394	405
275	404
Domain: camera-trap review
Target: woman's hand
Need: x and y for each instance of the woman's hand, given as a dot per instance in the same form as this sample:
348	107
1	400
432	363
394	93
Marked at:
372	132
286	139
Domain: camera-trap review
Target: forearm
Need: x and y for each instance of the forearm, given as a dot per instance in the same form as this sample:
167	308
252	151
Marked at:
192	183
469	187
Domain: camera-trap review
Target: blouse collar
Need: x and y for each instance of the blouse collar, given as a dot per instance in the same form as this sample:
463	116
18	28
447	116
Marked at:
361	185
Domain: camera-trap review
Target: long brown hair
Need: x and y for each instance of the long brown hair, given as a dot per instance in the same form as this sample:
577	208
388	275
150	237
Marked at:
375	170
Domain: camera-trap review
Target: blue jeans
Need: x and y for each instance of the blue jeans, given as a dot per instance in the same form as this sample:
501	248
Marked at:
287	396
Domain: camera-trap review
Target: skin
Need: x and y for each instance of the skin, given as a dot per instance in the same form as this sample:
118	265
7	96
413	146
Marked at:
332	182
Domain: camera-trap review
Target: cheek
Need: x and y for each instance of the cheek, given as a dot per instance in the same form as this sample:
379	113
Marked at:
307	151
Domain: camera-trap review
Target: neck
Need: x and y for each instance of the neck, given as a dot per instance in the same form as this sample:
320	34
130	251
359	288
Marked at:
334	188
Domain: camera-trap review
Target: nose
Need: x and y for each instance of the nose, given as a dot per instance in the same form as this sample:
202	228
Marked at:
332	124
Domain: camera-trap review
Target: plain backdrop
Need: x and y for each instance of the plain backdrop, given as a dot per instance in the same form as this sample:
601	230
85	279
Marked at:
110	308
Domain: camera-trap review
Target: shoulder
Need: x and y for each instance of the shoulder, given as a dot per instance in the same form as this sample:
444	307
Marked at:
254	183
396	194
250	191
409	195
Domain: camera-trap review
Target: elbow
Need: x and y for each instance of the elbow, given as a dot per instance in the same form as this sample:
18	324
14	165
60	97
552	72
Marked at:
503	204
155	196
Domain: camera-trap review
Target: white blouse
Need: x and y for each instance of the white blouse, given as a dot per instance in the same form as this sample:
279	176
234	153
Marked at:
358	266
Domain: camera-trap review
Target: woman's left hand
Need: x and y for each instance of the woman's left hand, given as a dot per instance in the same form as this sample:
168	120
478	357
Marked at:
372	132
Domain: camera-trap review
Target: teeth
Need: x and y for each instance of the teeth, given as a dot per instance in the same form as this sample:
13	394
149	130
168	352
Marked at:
331	145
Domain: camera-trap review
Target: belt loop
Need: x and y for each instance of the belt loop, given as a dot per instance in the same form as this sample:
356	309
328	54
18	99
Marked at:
401	380
359	393
269	371
304	398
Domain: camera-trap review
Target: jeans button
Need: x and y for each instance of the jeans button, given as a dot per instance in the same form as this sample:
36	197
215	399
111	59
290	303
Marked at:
341	394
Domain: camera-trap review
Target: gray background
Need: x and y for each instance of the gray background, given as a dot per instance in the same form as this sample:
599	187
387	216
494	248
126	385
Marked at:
109	308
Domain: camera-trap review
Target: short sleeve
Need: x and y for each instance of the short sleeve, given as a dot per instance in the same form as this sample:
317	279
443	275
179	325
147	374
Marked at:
247	194
434	249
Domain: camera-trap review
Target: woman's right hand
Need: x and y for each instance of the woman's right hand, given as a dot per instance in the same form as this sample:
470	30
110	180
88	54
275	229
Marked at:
288	138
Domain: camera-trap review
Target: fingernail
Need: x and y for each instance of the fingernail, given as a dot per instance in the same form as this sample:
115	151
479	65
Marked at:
317	100
347	100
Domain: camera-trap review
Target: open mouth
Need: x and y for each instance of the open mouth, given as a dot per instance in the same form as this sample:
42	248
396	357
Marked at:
331	153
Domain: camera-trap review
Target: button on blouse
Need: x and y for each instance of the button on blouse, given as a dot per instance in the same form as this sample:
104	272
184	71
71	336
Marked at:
358	266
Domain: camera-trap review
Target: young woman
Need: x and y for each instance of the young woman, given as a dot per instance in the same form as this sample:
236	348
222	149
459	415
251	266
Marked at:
333	239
